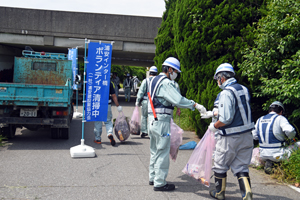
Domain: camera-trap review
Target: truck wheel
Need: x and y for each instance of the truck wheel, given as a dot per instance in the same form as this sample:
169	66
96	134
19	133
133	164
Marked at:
71	113
9	132
65	132
54	133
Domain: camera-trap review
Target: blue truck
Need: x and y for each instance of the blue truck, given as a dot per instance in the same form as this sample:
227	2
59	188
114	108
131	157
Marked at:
40	95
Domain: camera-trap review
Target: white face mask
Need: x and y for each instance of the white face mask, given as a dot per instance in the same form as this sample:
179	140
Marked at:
173	76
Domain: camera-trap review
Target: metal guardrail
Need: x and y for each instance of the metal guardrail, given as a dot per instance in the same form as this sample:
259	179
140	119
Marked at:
34	54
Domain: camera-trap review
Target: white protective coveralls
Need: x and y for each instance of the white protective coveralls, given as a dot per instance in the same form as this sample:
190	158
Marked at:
234	142
142	96
127	84
159	130
176	86
271	130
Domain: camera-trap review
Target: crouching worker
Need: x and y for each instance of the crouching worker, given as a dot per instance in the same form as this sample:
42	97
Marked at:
234	141
272	130
164	95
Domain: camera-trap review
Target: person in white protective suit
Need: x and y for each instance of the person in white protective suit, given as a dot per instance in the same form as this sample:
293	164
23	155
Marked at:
272	130
164	95
142	98
127	85
234	140
135	82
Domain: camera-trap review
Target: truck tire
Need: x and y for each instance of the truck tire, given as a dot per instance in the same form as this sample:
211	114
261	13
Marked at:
9	132
71	113
65	133
54	133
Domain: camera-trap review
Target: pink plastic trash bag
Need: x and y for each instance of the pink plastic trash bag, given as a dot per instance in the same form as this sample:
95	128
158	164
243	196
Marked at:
121	128
255	160
134	123
200	163
176	140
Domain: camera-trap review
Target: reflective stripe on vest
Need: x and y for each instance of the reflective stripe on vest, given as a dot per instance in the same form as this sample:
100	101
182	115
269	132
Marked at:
158	107
265	132
216	103
127	84
242	121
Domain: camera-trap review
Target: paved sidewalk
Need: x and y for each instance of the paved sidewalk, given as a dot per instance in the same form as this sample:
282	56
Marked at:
33	166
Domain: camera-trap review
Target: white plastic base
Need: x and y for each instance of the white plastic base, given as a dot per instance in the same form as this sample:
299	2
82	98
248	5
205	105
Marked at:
77	115
82	151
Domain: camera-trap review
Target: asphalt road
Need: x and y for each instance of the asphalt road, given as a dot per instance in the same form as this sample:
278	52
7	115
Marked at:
33	166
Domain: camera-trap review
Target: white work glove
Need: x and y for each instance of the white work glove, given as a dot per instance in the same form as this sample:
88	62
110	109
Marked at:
119	108
212	127
207	115
137	103
200	108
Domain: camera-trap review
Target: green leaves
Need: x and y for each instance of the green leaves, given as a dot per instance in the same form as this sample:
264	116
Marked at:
203	34
272	63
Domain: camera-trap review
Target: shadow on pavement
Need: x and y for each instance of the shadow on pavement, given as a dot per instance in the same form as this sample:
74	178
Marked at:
41	139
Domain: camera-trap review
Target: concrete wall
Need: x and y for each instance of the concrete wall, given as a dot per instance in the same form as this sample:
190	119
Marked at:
78	25
7	56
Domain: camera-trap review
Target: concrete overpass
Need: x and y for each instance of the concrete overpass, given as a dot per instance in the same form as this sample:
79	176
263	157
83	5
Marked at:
56	31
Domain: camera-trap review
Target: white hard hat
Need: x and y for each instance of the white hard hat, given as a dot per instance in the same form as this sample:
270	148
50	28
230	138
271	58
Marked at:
224	67
278	103
127	74
153	69
172	62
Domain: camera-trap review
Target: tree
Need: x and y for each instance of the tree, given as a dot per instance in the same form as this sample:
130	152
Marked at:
206	34
164	40
272	63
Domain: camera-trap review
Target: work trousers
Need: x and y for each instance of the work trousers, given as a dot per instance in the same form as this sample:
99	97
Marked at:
233	151
127	93
159	133
108	125
144	116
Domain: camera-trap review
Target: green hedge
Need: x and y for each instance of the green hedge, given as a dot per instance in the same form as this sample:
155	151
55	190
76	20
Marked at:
203	34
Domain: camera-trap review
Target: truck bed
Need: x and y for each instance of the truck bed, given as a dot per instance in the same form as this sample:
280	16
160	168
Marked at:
20	94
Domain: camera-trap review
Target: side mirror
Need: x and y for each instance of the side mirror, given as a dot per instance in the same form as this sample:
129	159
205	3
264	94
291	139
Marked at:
77	79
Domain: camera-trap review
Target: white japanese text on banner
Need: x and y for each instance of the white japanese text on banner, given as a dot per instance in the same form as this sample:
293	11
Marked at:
98	81
72	55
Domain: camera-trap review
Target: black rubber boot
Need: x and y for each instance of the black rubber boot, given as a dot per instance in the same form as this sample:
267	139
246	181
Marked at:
220	182
144	135
269	167
168	187
245	185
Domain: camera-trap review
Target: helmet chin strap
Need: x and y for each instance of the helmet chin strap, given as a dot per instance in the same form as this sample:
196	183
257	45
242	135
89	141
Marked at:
169	73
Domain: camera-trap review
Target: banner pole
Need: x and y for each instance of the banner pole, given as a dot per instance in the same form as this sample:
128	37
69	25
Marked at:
83	100
83	150
77	85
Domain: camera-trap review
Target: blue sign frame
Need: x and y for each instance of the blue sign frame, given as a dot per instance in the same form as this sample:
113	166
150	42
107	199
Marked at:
98	81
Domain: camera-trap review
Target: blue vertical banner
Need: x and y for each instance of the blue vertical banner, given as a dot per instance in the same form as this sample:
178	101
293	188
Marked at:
72	55
98	81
